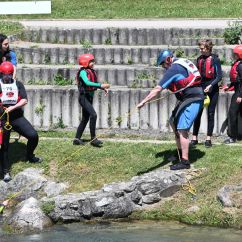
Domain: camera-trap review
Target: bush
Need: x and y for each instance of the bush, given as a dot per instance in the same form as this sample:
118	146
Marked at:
232	34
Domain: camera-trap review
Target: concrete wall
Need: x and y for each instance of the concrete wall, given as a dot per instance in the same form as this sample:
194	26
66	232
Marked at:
50	106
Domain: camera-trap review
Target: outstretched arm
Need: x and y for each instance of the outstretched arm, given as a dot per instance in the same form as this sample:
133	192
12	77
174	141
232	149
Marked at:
153	93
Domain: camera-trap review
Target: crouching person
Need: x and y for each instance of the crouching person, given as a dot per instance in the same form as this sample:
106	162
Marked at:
12	98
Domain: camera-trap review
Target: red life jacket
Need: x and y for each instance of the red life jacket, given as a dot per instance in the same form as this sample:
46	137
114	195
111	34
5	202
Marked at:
209	68
193	79
91	75
234	71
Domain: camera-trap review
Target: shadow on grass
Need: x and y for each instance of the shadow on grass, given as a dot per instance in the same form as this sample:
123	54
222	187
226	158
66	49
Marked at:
194	155
17	152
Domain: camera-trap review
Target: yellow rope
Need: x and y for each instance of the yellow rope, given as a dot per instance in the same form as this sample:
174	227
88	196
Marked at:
190	188
127	114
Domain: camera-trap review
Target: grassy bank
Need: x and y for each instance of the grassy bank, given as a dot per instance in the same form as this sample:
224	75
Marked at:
89	168
110	9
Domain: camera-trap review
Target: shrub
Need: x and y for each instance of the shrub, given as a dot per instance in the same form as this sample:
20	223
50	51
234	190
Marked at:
232	34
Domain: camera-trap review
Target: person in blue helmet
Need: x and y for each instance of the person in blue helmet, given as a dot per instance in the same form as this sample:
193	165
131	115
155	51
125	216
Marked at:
7	54
183	79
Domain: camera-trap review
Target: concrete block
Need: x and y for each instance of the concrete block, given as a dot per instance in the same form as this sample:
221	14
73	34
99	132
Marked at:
105	115
56	106
37	105
124	108
115	115
67	107
123	36
47	107
76	111
144	114
164	114
134	114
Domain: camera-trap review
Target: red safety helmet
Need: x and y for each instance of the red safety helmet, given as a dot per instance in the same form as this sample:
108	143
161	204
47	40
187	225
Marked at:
7	68
238	50
85	59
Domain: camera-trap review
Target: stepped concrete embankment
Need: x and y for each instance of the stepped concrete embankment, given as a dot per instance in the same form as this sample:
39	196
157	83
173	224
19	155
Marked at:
125	52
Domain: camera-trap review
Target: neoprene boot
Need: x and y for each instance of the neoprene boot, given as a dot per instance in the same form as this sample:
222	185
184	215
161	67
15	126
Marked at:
78	142
184	164
96	142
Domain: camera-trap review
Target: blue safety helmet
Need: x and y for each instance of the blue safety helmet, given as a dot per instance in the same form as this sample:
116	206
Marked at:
163	56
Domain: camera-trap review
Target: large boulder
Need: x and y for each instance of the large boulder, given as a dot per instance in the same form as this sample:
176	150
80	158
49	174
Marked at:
28	216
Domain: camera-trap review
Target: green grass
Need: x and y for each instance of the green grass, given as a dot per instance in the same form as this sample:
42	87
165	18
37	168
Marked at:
110	9
10	28
88	168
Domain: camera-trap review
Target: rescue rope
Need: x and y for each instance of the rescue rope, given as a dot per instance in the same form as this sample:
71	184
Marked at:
7	125
189	187
127	114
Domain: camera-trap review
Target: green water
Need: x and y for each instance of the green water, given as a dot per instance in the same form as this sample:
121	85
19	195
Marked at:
131	232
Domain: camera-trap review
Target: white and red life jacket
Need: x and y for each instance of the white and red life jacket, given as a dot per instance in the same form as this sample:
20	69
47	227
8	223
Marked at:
206	65
234	71
193	79
10	93
91	75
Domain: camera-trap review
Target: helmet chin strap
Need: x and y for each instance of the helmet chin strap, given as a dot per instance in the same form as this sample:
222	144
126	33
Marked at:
7	79
169	60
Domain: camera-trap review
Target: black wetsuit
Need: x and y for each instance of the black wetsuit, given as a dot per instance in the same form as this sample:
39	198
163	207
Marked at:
86	101
235	109
213	93
22	126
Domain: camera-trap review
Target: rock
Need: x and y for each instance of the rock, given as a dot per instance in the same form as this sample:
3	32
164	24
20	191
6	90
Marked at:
28	216
193	209
224	196
26	184
231	196
151	198
54	189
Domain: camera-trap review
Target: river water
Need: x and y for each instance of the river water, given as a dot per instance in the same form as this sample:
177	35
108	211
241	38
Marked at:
130	232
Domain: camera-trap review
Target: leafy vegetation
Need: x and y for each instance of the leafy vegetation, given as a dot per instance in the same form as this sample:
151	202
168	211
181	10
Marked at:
9	28
233	34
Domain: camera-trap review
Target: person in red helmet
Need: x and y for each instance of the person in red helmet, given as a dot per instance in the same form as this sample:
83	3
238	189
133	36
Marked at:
12	98
87	83
236	101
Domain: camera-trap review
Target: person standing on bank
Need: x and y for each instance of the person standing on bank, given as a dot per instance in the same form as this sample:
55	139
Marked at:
12	98
235	108
87	83
183	79
6	54
209	67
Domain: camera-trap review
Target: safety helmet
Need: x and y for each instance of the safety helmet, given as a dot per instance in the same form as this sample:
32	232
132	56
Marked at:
164	56
6	68
85	59
238	50
206	101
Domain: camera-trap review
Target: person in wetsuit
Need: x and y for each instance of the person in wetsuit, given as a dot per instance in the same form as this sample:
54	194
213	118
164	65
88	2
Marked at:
13	97
235	108
209	67
87	82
